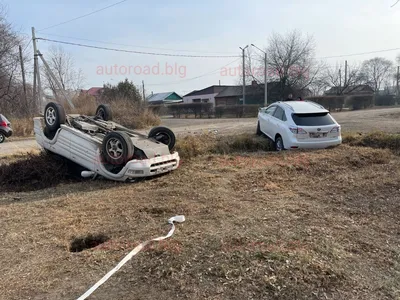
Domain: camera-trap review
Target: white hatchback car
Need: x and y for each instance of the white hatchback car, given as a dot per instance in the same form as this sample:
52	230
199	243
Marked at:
298	124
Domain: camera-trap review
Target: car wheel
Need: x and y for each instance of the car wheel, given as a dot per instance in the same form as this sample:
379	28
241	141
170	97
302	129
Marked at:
2	137
54	116
103	112
163	135
258	132
279	146
117	147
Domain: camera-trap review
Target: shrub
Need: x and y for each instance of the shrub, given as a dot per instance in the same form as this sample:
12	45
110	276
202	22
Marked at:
22	127
332	103
357	102
196	109
385	100
237	111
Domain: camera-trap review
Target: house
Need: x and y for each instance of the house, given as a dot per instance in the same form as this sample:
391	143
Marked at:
93	91
255	94
206	95
361	89
164	98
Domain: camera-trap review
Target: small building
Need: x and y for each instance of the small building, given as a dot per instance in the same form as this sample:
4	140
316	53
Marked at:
164	98
93	91
206	95
361	89
255	94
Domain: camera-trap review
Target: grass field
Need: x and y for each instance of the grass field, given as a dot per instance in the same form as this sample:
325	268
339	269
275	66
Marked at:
260	225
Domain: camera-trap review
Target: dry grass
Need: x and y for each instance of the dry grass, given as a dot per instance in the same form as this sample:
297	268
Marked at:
195	145
22	127
133	115
128	114
377	139
294	225
84	104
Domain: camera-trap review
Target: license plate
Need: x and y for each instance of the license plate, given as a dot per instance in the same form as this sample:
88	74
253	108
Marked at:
315	135
163	170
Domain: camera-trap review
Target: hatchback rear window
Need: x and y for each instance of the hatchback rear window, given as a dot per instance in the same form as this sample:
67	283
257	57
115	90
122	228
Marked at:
318	119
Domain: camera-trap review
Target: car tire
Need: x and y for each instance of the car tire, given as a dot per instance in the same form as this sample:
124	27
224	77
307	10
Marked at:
163	135
117	148
2	137
54	116
103	112
48	133
279	146
258	132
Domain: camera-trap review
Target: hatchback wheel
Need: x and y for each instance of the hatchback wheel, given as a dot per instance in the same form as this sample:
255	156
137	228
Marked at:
258	132
2	137
279	144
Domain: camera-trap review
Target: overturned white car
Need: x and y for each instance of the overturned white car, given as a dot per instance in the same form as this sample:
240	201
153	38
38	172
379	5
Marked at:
103	147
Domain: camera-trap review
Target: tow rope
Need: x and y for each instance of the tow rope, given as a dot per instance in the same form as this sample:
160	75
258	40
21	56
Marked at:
178	219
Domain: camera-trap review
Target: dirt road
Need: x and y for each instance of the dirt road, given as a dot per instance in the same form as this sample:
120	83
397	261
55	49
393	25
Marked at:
386	119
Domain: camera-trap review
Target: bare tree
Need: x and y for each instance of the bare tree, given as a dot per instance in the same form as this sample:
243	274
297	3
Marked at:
376	71
11	100
335	78
62	66
291	60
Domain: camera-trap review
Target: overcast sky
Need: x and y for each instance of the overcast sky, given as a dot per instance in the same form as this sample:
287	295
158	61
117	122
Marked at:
202	28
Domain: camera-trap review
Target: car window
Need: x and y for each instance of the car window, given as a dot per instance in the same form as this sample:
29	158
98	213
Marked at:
270	110
318	119
280	114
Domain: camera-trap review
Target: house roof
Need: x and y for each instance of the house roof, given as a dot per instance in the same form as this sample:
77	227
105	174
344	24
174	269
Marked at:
237	90
94	91
352	89
214	89
161	97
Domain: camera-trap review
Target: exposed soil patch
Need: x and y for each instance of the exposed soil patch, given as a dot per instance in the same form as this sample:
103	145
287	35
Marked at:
35	172
89	241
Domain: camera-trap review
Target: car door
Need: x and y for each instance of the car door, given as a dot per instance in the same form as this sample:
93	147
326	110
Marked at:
265	119
277	123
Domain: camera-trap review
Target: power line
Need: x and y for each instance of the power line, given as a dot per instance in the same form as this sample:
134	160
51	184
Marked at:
362	53
83	16
137	52
193	78
26	47
395	3
129	45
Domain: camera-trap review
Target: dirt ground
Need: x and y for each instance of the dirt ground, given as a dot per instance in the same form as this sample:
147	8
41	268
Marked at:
294	225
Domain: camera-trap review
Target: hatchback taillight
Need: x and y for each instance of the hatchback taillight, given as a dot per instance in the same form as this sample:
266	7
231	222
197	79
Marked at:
297	130
335	129
3	124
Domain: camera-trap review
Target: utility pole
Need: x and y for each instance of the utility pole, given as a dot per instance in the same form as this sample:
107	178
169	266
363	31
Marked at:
35	64
345	73
265	75
244	75
59	85
397	84
340	81
23	79
144	94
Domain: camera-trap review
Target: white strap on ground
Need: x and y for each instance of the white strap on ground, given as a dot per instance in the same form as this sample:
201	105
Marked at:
179	219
